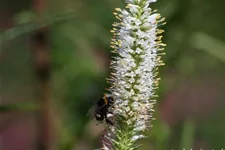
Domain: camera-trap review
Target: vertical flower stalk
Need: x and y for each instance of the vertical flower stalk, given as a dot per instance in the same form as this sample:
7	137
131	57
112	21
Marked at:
137	45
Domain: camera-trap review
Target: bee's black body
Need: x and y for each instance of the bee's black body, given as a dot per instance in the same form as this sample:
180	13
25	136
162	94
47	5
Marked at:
102	109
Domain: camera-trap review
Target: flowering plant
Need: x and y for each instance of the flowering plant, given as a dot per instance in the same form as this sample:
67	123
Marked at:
137	44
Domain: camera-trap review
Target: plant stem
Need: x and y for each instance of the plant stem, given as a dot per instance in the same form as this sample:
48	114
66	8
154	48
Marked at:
187	135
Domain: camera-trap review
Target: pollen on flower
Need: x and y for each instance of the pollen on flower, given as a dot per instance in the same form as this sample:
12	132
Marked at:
117	9
137	44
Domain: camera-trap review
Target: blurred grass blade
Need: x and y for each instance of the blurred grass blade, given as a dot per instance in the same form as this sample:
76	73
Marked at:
34	24
209	44
23	106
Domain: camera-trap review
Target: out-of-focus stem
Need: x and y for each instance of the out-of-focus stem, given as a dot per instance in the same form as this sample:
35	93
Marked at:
42	68
41	56
187	135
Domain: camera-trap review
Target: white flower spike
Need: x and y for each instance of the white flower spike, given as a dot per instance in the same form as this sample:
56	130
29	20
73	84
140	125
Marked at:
137	44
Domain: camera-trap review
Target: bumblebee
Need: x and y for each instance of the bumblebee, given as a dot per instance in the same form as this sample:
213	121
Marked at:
102	109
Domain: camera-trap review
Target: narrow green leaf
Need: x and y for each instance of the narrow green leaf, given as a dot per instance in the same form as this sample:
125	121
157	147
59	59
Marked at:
209	44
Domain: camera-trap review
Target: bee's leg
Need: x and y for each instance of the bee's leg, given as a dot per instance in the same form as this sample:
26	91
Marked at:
107	120
110	112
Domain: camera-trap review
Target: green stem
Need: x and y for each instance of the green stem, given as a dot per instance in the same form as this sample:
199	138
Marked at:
187	135
22	106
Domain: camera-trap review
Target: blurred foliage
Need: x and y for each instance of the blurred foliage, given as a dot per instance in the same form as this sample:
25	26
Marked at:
81	55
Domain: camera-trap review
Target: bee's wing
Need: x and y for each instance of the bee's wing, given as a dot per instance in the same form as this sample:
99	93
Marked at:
92	111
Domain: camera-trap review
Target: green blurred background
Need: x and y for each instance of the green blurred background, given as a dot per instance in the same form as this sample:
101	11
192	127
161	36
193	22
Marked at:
190	111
